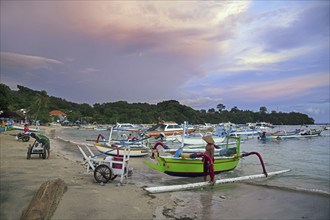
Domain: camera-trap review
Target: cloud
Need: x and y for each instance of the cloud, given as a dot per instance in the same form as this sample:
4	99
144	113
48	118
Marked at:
314	111
26	62
310	25
288	87
189	28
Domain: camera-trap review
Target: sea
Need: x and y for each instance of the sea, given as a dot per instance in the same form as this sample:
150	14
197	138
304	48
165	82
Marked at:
307	158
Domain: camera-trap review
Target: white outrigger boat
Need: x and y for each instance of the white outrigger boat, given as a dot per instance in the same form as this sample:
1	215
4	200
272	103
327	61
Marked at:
198	140
114	147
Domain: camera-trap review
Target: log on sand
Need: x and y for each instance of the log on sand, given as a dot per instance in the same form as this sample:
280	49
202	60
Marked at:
45	201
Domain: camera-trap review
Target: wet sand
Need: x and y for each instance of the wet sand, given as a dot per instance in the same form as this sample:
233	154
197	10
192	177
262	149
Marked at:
85	199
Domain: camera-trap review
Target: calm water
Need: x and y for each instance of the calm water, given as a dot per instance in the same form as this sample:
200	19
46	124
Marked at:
308	159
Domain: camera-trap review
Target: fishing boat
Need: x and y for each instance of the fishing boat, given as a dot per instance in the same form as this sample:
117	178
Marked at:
126	127
117	147
192	164
197	139
21	128
167	129
311	132
136	150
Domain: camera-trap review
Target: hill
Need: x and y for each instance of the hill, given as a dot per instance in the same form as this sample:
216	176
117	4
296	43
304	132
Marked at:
37	104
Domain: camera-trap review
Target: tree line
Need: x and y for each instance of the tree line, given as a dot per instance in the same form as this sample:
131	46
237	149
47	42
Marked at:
38	104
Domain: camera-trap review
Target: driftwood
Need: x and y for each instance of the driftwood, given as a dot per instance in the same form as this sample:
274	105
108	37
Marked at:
45	201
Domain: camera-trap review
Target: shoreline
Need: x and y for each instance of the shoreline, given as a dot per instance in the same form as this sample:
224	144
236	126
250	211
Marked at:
85	199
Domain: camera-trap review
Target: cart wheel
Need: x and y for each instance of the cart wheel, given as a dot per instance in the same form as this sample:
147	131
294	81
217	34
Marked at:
102	173
44	154
25	138
28	154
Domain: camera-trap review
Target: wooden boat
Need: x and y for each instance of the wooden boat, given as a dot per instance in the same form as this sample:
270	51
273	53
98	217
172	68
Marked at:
126	127
192	165
197	139
136	150
167	129
117	147
279	135
21	128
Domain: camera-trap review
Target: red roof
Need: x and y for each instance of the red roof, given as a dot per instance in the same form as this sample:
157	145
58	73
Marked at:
57	112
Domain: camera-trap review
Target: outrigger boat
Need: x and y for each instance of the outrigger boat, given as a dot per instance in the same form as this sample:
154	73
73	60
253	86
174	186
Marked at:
113	147
192	165
167	129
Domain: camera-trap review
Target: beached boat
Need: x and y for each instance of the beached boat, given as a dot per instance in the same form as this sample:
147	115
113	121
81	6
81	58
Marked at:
136	150
167	129
117	147
192	165
21	128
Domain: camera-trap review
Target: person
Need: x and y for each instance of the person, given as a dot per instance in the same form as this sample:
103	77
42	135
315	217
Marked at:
209	151
43	140
26	129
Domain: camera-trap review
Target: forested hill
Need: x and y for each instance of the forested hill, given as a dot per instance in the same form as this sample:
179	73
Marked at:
38	102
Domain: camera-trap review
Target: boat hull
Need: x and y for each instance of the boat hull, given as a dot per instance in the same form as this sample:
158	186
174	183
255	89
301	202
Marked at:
199	140
189	167
135	150
21	128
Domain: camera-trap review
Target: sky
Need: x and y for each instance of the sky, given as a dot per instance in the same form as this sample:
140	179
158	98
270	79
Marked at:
246	54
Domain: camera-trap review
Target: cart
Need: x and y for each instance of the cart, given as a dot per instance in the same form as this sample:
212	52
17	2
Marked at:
108	168
36	148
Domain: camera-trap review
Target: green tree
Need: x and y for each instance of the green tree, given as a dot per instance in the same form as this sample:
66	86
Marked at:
263	109
41	103
4	97
221	107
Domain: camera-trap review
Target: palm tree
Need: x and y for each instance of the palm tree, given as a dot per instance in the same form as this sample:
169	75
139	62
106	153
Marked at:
41	99
221	107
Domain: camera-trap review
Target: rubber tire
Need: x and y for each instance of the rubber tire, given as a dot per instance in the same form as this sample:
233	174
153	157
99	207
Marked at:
44	154
102	173
25	138
28	154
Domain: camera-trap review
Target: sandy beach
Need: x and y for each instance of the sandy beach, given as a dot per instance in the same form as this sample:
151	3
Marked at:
85	199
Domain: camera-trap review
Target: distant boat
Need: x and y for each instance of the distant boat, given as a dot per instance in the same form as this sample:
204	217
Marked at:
167	129
21	128
126	127
311	131
100	128
198	140
260	125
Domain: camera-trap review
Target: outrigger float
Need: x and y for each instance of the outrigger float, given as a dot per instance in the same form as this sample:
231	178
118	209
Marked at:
193	165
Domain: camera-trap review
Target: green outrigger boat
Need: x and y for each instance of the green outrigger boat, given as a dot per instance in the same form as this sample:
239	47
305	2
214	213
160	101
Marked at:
192	164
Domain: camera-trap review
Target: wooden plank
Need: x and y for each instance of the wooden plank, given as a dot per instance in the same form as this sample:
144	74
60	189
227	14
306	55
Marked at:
159	189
